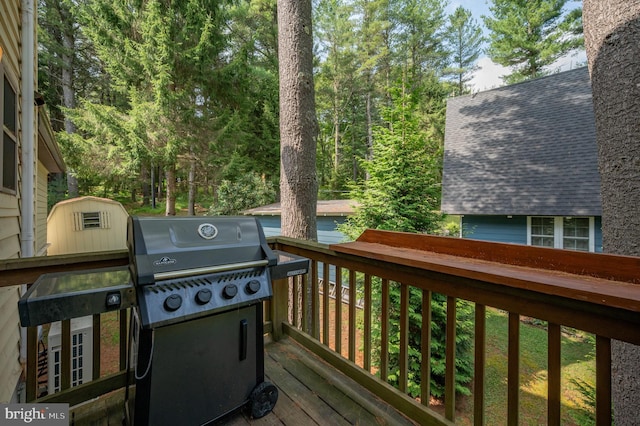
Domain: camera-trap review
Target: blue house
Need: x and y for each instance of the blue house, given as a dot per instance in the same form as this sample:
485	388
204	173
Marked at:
330	213
521	166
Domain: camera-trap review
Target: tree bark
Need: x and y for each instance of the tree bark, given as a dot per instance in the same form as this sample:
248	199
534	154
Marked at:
68	93
171	190
612	40
298	125
192	183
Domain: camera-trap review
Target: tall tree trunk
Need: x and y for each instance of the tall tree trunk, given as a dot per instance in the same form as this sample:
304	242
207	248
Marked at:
145	187
192	183
612	39
298	125
171	190
68	93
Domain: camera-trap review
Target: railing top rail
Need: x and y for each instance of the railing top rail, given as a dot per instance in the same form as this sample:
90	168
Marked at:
521	267
600	265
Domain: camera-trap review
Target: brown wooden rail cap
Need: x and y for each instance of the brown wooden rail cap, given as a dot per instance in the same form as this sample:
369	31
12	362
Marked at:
603	279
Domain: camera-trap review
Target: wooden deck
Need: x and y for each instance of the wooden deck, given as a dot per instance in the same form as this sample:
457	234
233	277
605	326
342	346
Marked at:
311	392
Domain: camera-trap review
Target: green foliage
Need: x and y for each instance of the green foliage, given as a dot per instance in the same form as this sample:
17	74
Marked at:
531	35
403	194
403	189
464	340
464	39
56	190
249	191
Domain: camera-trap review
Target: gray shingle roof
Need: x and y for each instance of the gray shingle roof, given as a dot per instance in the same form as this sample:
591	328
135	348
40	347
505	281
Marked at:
524	149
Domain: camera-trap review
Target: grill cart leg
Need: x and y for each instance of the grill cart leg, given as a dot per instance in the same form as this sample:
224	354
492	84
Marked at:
262	400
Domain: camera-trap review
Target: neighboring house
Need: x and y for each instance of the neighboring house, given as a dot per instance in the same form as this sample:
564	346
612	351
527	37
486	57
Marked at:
29	153
330	213
87	224
521	166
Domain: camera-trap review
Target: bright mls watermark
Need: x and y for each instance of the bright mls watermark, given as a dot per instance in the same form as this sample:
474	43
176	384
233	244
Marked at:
34	414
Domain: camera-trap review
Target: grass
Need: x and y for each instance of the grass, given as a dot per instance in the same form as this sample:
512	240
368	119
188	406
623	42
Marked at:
578	362
577	358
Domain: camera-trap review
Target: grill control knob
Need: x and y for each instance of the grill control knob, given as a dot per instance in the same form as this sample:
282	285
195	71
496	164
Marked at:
230	291
253	286
203	296
172	302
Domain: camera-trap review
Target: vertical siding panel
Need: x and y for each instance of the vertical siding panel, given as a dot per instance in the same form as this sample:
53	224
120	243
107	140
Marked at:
41	209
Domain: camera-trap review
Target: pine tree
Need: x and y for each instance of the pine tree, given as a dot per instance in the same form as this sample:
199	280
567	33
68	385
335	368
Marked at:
464	39
531	35
403	194
298	124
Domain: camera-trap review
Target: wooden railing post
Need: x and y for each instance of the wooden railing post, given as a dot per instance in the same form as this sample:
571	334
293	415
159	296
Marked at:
32	364
279	306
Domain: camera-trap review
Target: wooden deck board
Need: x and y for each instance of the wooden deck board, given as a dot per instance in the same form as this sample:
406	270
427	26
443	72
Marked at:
310	392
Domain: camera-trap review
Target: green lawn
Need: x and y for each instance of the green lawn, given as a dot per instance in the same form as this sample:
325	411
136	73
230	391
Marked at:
578	362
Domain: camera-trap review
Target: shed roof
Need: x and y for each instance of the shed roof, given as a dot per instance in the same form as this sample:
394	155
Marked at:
88	199
524	149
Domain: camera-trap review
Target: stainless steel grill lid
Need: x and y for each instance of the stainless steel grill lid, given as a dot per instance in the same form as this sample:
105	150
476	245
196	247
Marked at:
169	248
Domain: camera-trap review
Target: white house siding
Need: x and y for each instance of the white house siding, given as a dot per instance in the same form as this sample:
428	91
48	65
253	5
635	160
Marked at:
41	210
10	368
9	227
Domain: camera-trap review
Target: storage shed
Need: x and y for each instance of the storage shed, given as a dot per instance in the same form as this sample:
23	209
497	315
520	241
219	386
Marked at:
86	224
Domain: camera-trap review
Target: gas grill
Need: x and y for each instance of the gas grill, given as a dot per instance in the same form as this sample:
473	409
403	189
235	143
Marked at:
196	344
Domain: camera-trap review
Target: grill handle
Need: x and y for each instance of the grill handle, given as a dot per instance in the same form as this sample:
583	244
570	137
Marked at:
207	270
244	331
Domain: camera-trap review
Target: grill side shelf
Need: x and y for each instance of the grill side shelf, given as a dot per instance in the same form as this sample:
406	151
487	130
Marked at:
60	296
289	265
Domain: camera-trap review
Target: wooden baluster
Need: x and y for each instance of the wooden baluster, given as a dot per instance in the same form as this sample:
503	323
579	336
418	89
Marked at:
352	315
32	364
367	322
304	306
65	355
124	336
425	350
603	380
338	310
279	307
479	363
554	367
384	331
450	364
315	301
325	303
96	347
513	374
404	337
295	302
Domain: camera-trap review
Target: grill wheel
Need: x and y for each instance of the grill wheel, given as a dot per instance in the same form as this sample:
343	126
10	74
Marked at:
262	400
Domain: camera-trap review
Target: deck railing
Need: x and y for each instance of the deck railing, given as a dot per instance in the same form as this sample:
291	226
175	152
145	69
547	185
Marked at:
594	293
589	292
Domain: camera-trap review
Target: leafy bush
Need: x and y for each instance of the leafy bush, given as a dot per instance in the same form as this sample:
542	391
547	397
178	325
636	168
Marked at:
249	191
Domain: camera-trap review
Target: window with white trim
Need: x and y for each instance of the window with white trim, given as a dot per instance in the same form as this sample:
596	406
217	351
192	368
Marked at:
9	151
571	233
